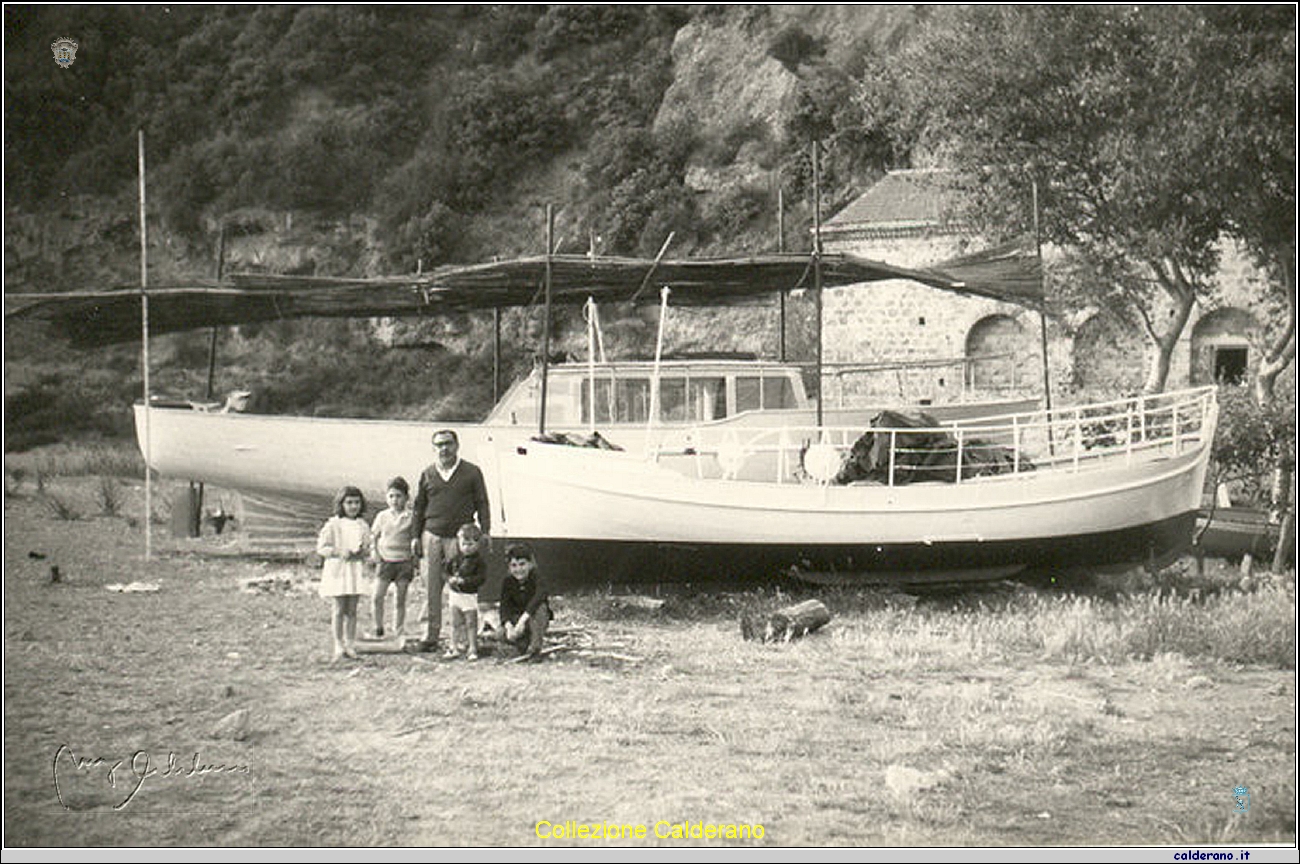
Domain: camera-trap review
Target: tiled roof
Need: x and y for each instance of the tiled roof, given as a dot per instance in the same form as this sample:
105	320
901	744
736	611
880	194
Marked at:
910	198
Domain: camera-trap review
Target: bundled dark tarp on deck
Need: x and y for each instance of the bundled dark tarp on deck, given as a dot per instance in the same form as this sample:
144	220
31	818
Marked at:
106	317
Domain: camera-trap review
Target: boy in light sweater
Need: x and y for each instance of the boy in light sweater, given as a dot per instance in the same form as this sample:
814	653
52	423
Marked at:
392	554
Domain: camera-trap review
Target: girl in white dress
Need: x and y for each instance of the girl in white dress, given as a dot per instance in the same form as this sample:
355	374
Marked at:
343	543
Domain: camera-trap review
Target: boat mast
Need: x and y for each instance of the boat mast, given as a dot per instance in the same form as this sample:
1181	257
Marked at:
653	413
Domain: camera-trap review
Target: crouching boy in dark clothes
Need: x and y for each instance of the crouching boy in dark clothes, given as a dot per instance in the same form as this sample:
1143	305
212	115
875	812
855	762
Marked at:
525	612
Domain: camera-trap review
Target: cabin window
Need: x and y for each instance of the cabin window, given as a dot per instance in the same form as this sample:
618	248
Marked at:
604	404
708	398
622	401
672	399
633	401
778	392
681	400
749	394
768	392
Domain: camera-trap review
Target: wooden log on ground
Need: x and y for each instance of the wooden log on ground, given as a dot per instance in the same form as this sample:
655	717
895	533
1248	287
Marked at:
785	624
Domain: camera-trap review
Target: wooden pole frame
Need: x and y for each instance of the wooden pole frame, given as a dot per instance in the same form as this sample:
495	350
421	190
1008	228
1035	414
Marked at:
817	272
212	344
1042	318
546	322
144	357
195	525
496	354
780	248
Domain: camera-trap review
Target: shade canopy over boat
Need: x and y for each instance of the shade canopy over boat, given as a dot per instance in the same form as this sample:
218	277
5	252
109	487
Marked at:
105	317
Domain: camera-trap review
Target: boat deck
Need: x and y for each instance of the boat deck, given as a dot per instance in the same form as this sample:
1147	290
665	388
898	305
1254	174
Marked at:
897	450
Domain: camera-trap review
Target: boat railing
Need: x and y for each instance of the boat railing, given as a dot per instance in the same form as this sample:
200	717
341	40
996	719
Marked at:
894	452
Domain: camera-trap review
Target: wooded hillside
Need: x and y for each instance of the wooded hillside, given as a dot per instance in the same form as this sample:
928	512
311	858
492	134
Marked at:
430	120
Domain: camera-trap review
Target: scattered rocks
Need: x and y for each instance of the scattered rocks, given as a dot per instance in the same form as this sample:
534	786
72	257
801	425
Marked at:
905	782
274	582
134	587
232	727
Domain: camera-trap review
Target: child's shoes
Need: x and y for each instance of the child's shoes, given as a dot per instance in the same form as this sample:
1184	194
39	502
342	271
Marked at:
450	654
471	656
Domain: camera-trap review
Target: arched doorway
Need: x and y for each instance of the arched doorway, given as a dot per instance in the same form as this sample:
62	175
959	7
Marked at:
1221	351
999	354
1109	356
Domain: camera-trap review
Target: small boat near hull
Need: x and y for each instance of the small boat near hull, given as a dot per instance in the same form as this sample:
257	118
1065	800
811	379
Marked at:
1231	532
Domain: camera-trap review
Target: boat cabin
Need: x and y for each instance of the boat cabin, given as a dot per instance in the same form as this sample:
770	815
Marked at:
688	392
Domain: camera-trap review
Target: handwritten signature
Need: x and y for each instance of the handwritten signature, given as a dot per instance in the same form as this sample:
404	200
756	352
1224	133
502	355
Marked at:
138	768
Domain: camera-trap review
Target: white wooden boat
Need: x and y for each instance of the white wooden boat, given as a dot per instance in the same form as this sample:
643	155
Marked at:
1106	484
312	457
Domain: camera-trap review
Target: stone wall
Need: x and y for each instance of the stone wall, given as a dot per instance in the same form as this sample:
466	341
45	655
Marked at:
898	320
1092	352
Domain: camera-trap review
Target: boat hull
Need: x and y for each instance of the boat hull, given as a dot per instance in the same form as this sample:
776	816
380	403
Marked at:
615	517
587	561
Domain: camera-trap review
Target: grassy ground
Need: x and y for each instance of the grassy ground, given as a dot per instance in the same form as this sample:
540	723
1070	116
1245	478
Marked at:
1103	711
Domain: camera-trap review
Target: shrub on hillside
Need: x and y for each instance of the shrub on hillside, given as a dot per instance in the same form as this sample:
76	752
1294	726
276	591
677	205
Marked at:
792	45
567	28
60	405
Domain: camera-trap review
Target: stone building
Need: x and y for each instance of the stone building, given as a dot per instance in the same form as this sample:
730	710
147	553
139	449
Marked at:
981	348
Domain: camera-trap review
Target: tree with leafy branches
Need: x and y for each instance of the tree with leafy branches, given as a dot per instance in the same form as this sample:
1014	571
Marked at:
1140	127
1257	131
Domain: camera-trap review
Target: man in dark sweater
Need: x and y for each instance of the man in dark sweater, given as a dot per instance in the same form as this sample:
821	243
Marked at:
451	493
